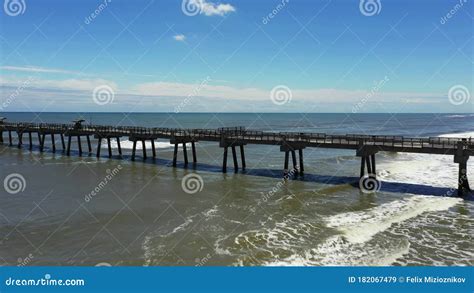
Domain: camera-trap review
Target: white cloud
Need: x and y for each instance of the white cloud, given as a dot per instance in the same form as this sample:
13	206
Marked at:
210	9
66	84
75	94
229	93
179	38
35	69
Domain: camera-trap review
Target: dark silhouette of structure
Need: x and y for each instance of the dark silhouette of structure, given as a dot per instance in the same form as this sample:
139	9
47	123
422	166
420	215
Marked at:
366	146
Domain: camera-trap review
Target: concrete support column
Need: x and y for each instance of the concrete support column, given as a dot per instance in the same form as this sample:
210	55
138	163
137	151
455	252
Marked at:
193	147
62	141
461	158
119	146
175	154
109	147
369	165
300	152
43	138
242	157
53	142
185	154
89	143
144	149
30	138
463	183
293	158
224	163
287	157
362	167
153	149
79	145
68	151
99	143
234	158
134	150
20	139
372	158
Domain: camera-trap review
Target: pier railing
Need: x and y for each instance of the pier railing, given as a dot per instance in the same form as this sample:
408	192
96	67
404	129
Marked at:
244	134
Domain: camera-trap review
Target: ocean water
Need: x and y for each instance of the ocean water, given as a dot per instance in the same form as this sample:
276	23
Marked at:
143	213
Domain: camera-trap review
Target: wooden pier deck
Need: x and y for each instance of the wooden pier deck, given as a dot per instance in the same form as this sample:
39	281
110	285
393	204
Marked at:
366	146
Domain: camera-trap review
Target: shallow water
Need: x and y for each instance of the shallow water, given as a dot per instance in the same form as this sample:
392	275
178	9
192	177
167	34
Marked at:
143	216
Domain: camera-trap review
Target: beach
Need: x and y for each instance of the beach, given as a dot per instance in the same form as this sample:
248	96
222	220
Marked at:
99	211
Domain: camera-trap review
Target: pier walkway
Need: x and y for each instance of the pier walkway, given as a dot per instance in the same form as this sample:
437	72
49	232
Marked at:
235	138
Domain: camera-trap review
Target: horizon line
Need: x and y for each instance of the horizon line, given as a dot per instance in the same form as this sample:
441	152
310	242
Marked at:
158	112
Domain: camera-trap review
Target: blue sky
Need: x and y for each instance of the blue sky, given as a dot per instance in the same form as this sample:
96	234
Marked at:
231	56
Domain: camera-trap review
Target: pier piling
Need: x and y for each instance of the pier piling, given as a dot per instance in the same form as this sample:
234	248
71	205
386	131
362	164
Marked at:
224	163
234	157
99	144
183	139
300	152
153	149
43	138
20	138
242	156
291	147
461	157
185	154
175	154
108	137
62	142
235	161
68	151
89	146
79	145
109	147
53	142
134	149
144	149
119	147
30	140
193	148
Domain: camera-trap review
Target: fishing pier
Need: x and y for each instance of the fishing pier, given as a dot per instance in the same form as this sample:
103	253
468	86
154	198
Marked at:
236	138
